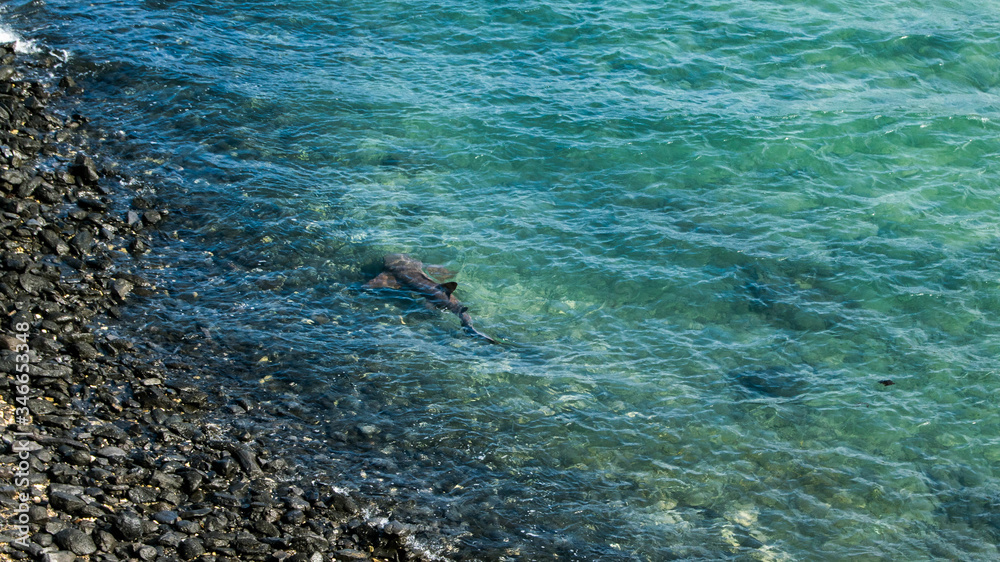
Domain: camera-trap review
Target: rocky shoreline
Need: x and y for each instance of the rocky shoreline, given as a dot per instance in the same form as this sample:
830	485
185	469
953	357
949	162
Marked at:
110	454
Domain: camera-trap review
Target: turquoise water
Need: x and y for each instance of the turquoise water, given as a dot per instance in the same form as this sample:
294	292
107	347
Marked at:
706	231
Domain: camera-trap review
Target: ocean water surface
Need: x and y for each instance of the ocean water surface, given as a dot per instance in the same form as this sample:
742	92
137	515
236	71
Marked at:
704	230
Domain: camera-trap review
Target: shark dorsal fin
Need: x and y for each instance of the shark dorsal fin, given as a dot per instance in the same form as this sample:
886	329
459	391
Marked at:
449	287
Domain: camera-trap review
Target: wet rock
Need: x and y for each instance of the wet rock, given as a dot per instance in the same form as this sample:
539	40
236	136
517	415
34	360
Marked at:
33	103
121	288
227	500
85	169
92	204
349	554
83	242
84	351
27	189
34	284
152	217
294	502
247	460
343	503
55	242
13	177
111	431
225	466
137	247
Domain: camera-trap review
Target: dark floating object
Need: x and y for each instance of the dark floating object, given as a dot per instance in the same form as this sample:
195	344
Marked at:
886	382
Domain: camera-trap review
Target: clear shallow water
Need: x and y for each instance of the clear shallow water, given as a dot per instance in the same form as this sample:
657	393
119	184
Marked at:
706	229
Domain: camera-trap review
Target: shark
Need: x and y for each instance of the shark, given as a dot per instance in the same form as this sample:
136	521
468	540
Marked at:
400	271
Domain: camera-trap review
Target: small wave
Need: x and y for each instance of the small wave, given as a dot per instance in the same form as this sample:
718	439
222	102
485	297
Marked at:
21	45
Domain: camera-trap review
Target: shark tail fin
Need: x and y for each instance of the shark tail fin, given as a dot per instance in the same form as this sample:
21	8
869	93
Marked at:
475	332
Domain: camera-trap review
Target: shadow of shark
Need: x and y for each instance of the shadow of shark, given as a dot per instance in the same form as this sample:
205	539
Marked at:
400	271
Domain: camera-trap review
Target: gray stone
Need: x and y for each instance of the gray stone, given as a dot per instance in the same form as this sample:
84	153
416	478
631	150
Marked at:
170	539
295	517
190	548
82	242
346	554
62	501
310	543
85	169
141	494
247	460
112	452
166	517
166	481
76	541
248	544
152	217
121	288
128	525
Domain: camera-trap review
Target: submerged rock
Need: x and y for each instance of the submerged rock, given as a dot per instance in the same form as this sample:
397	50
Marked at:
781	382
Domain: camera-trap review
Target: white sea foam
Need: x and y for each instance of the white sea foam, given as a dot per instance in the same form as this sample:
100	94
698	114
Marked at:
21	45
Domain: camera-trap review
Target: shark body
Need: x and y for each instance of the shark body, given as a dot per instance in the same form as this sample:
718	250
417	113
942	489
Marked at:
403	272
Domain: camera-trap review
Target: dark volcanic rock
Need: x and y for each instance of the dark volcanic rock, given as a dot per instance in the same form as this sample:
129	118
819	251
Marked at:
85	169
166	481
83	242
248	544
66	502
121	288
75	540
247	460
84	351
128	525
190	549
166	517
